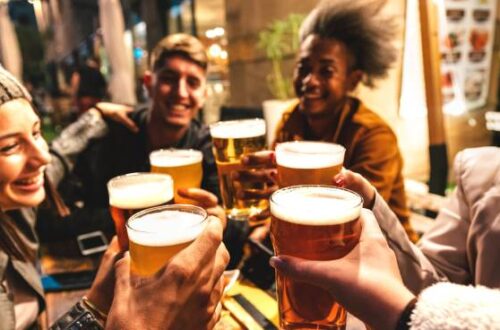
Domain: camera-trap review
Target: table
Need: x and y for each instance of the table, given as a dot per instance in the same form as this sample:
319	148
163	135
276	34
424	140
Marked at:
233	317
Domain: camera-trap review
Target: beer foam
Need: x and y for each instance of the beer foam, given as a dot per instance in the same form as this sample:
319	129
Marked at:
171	158
168	227
309	154
319	206
141	195
238	129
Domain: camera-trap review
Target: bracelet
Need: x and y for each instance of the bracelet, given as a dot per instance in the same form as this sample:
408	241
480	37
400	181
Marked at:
404	319
78	317
94	309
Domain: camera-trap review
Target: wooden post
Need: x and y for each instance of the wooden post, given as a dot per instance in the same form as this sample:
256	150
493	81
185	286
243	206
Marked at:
432	75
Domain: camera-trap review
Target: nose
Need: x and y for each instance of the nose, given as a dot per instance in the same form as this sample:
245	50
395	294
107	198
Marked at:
39	153
182	88
310	80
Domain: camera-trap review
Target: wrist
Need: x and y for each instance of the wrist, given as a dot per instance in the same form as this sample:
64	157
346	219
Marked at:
405	316
101	303
96	310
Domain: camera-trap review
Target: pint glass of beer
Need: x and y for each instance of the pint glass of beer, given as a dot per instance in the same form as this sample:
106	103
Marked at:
131	193
232	140
183	165
158	233
308	162
314	223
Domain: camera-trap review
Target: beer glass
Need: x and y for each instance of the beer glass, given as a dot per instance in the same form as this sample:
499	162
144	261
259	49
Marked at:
312	222
183	165
308	162
232	140
158	233
131	193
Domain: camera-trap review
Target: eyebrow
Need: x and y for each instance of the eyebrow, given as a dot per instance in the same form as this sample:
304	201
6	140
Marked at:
10	135
322	60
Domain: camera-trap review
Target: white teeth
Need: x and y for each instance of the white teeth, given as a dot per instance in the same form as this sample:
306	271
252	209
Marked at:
179	107
30	180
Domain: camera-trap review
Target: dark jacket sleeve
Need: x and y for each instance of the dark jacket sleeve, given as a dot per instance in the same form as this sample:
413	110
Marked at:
210	180
69	151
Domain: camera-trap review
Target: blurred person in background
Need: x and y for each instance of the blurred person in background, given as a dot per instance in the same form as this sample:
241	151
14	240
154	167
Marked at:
177	88
344	43
88	85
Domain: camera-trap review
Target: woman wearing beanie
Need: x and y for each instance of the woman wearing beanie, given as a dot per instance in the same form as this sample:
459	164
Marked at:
26	171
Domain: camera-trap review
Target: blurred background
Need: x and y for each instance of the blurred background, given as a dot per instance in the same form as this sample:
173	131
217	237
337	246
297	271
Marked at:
432	97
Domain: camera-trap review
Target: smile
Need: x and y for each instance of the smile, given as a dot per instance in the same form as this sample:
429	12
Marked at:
32	183
180	107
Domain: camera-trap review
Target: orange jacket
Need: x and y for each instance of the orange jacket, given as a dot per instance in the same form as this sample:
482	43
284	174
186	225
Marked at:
371	150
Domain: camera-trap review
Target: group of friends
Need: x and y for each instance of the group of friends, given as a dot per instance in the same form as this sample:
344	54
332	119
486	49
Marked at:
387	281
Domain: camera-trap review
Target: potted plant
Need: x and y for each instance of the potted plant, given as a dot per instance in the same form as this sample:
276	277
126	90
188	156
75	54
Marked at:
278	41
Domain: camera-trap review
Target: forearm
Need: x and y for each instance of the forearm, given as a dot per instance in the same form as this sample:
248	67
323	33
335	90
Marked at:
72	141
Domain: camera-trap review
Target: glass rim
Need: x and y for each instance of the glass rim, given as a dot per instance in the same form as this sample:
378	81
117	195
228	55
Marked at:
194	151
282	190
282	146
137	174
196	155
174	207
232	121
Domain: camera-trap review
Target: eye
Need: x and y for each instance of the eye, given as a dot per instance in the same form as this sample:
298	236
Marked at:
37	133
303	69
327	71
168	78
9	147
193	82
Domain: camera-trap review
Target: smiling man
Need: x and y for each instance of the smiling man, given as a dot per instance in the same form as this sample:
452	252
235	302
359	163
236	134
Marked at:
177	90
343	43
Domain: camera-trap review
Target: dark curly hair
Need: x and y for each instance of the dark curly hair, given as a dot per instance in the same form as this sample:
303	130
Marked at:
360	25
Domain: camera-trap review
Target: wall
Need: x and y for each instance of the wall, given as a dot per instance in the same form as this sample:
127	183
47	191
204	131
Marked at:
248	66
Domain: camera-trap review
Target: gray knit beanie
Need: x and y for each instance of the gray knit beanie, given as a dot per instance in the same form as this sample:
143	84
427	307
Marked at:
11	88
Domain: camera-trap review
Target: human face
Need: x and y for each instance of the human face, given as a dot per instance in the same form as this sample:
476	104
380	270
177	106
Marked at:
178	90
322	77
23	156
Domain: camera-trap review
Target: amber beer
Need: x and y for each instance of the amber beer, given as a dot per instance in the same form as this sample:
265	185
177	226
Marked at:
131	193
308	162
315	223
157	234
184	166
232	140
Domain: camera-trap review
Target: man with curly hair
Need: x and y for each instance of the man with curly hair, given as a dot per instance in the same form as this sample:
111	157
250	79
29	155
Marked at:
343	43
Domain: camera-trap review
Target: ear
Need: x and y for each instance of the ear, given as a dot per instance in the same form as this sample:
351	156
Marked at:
353	80
147	80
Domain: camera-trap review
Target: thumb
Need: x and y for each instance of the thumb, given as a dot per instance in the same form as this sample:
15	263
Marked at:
371	229
307	271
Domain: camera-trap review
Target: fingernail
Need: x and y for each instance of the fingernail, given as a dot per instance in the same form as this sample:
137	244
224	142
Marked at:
275	262
245	160
340	182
